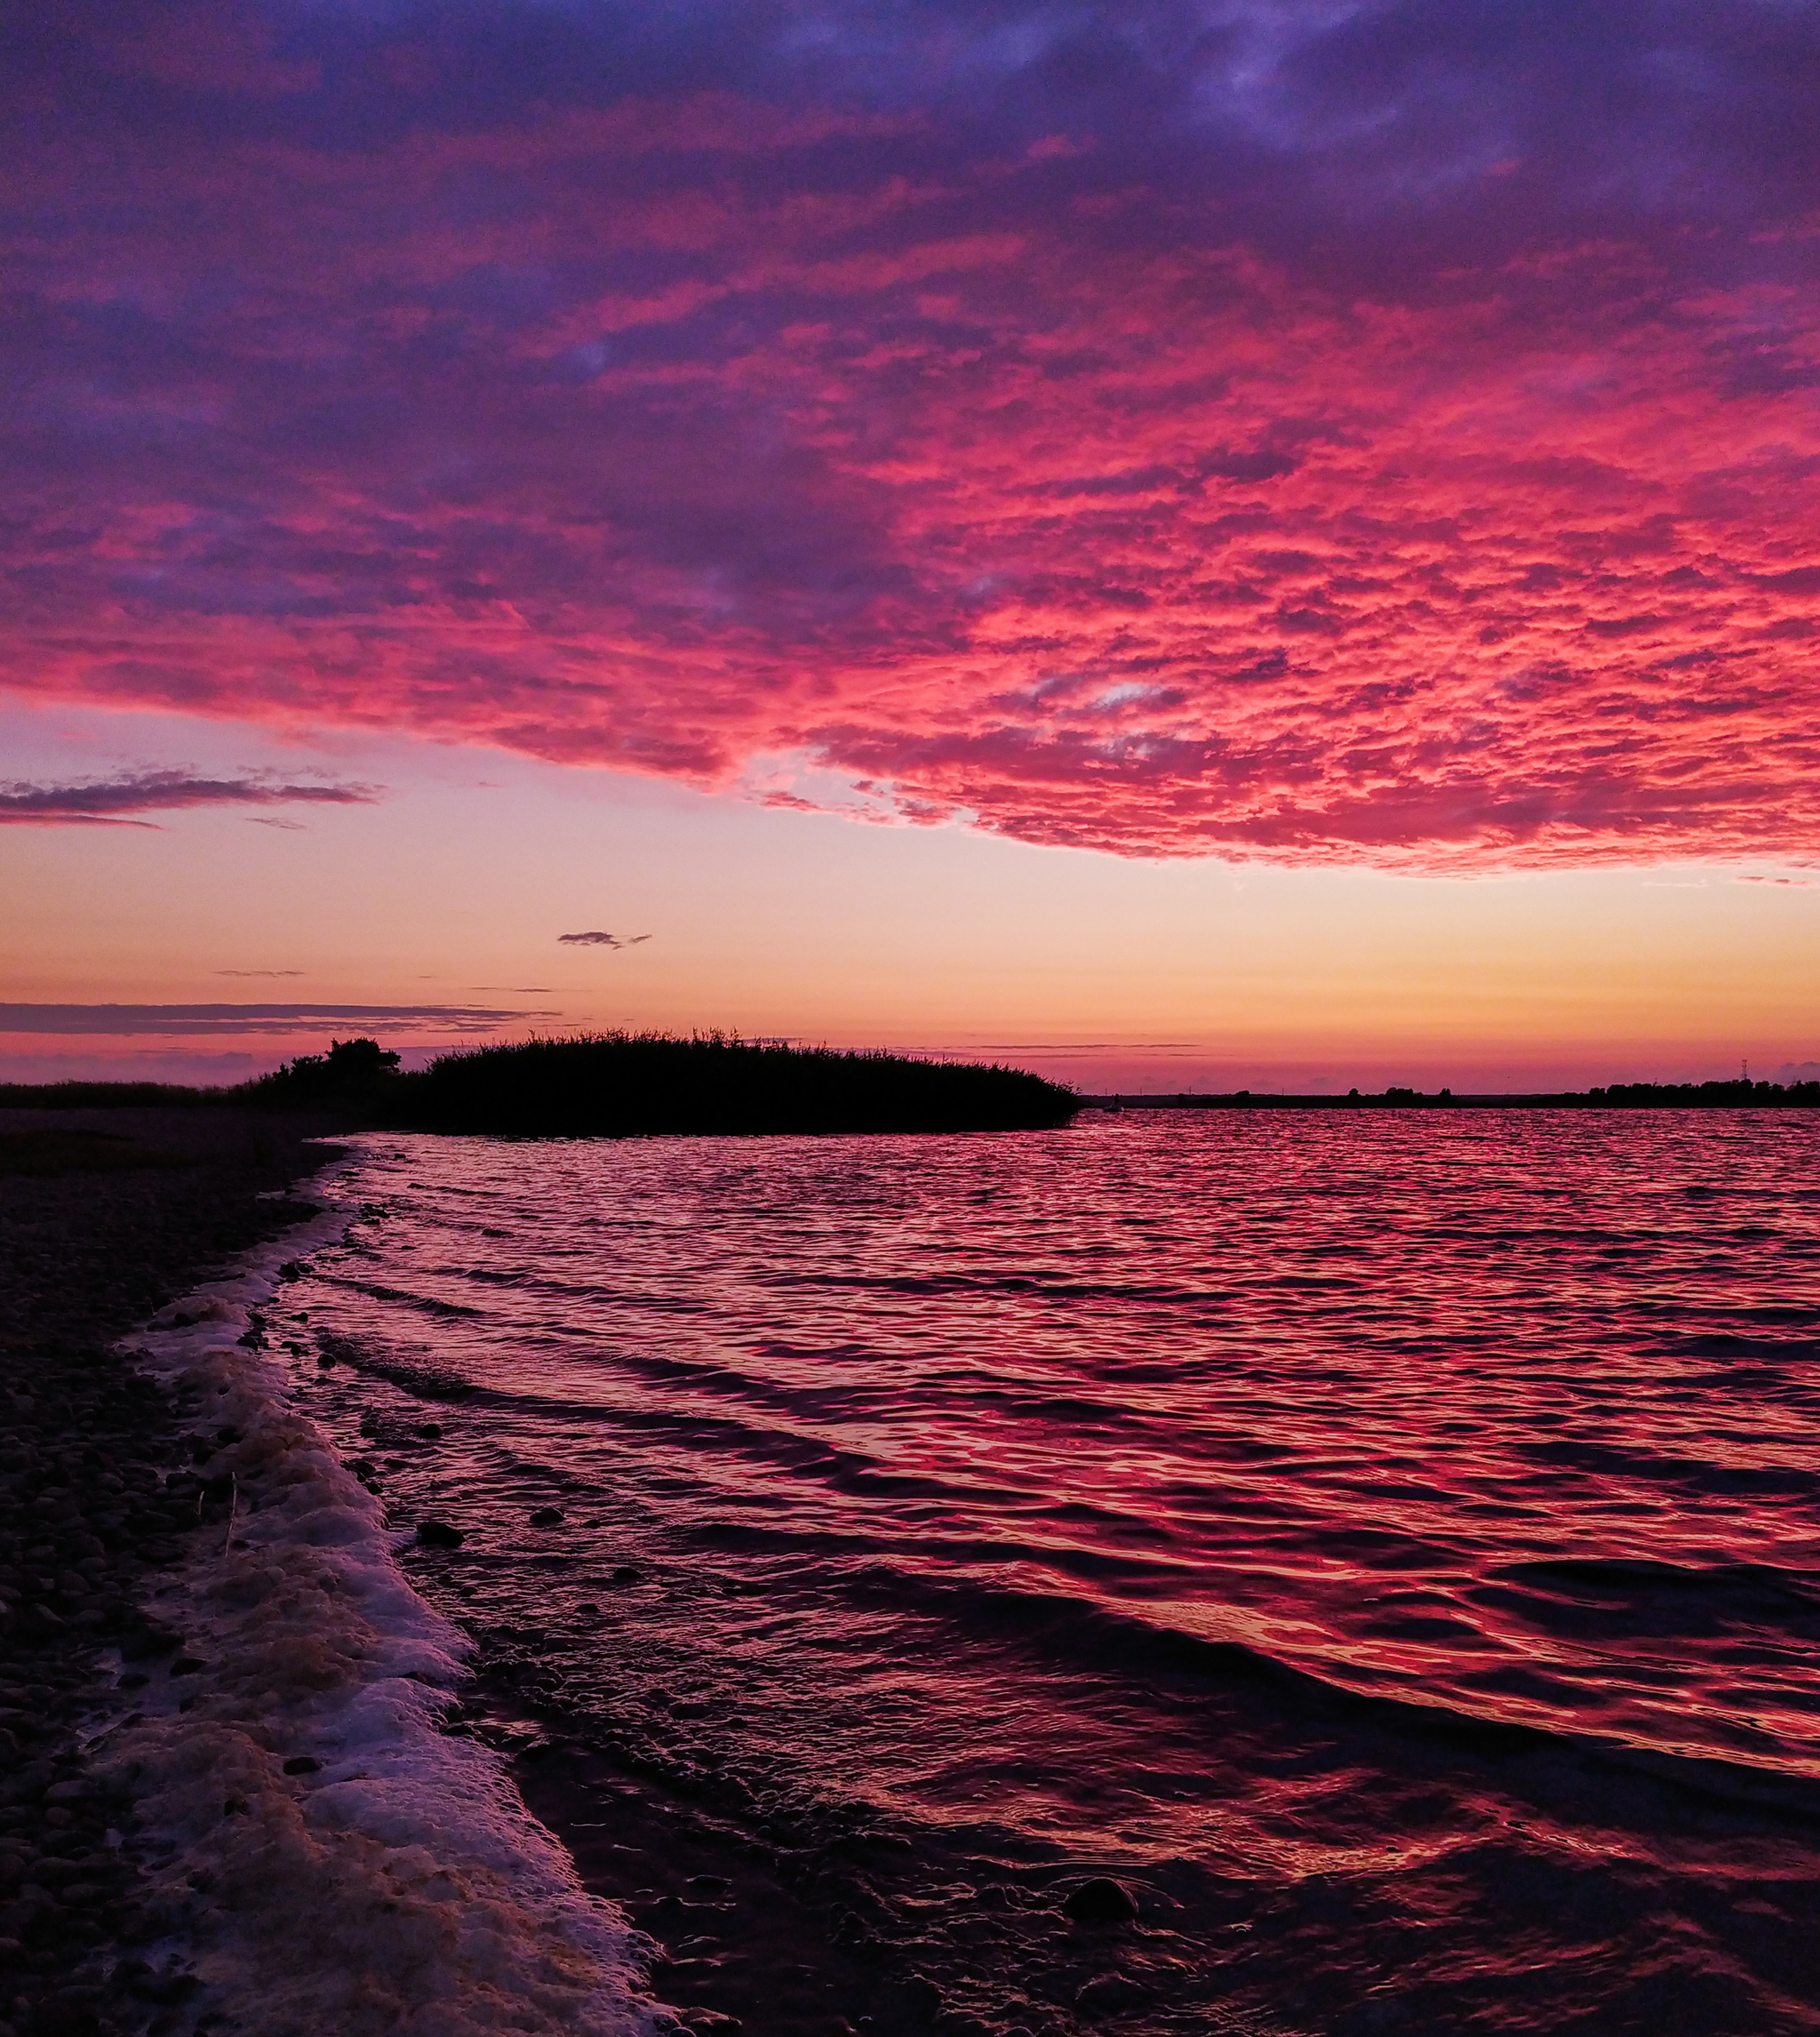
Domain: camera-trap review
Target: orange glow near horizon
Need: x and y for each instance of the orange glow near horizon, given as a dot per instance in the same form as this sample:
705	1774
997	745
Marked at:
1291	533
1109	971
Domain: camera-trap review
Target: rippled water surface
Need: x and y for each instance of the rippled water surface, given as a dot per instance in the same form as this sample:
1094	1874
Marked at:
1387	1543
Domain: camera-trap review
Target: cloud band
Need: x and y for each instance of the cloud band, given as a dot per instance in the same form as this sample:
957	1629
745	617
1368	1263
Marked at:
1380	433
125	1019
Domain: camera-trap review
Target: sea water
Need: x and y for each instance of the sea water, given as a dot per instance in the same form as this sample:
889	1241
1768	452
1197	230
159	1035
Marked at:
1388	1544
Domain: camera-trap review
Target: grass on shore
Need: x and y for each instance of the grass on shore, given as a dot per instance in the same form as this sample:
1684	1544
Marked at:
620	1086
620	1083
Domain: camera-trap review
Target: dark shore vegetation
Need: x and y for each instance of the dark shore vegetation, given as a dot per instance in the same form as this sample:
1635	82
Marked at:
627	1084
100	1224
630	1084
621	1084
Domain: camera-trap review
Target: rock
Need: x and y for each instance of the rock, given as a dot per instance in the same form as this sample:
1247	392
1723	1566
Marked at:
439	1535
302	1765
920	1995
628	1574
1101	1901
147	1639
547	1517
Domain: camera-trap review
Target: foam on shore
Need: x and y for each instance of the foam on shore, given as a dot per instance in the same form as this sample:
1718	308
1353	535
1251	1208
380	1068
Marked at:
400	1887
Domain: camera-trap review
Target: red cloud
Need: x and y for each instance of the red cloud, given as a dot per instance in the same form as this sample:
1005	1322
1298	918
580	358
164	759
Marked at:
1026	484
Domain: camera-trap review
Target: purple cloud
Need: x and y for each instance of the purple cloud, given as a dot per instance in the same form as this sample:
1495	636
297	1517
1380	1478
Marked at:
82	1020
107	801
1381	433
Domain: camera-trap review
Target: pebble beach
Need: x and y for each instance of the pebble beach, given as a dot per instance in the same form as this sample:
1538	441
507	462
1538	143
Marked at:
104	1219
228	1802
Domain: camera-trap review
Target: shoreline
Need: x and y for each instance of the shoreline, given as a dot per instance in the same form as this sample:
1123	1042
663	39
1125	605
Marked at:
105	1873
98	1500
182	1863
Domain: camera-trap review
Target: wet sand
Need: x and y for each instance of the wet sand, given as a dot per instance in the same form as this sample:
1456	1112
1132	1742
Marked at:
104	1217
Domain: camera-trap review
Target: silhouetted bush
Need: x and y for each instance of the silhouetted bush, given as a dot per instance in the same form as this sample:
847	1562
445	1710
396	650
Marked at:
353	1072
622	1083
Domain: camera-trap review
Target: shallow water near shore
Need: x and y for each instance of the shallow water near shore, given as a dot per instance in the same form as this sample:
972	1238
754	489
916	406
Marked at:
313	1852
1389	1547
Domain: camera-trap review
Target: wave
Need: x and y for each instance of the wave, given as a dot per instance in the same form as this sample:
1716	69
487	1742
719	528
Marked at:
322	1857
1066	1631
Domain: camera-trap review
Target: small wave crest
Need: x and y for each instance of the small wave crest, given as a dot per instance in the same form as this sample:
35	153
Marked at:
321	1854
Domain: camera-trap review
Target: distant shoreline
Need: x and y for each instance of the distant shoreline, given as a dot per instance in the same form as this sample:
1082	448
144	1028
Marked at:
1622	1096
618	1085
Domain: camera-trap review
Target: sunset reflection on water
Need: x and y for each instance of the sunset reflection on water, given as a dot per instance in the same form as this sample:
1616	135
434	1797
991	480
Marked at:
1348	1526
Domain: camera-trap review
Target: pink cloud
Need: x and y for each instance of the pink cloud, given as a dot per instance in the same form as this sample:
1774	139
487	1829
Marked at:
1052	485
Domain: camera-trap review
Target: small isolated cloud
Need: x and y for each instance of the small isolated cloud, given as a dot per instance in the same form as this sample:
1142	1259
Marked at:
1790	883
596	939
258	972
112	802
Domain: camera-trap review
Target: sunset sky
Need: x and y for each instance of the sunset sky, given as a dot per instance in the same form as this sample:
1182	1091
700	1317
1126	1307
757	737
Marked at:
1244	544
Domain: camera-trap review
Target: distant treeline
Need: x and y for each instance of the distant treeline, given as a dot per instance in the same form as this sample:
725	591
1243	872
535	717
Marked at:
620	1084
1739	1094
1729	1095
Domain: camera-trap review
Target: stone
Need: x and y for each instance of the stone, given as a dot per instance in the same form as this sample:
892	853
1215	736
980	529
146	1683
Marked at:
1101	1901
439	1535
920	1995
147	1639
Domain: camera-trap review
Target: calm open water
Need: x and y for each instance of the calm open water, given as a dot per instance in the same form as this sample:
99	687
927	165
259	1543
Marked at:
1390	1544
